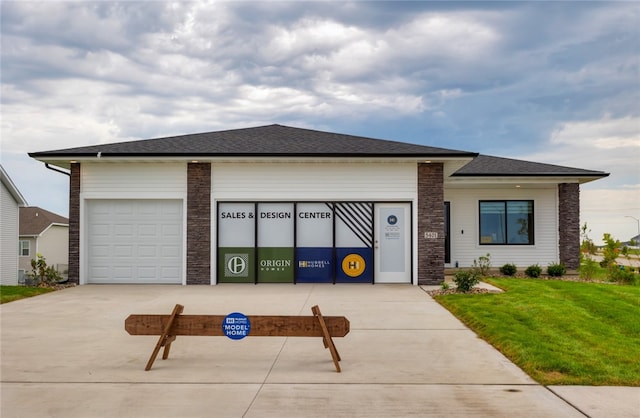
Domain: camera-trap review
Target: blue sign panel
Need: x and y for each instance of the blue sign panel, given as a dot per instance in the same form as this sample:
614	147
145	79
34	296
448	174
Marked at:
314	265
236	326
354	265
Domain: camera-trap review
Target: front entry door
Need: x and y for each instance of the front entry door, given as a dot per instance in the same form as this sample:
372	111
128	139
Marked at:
393	243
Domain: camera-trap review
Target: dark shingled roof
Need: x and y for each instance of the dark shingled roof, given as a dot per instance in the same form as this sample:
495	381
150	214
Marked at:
34	220
271	140
488	166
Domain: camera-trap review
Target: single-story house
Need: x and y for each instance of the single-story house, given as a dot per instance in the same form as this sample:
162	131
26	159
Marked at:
45	233
283	204
10	201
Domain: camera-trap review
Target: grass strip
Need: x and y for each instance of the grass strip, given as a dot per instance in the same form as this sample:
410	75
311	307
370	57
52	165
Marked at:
11	293
559	332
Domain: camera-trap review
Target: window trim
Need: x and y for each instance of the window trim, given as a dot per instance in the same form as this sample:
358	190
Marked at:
21	248
532	238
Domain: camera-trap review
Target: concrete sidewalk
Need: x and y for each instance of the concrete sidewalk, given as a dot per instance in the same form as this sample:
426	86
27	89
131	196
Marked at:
66	354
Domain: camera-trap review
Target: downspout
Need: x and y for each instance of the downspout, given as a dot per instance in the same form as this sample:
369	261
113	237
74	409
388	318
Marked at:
56	169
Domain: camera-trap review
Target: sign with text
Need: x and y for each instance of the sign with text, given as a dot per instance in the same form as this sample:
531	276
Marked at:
314	243
236	326
275	242
236	242
392	256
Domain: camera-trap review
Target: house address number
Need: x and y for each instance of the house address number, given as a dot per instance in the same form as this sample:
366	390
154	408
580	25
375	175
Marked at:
430	235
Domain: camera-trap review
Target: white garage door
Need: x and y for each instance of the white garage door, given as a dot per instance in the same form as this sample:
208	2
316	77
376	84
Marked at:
134	241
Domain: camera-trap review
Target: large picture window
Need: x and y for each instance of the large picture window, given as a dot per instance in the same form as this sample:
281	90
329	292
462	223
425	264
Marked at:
506	222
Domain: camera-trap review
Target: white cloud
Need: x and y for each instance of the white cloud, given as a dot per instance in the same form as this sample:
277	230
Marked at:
605	133
607	144
518	77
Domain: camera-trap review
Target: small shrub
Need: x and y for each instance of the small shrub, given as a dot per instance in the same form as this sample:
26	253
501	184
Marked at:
556	270
622	274
509	269
43	275
588	268
533	271
465	280
445	286
482	265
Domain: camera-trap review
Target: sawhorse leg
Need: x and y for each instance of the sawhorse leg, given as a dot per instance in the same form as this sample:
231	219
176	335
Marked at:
165	339
326	339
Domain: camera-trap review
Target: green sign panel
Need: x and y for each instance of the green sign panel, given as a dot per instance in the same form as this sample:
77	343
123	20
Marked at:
275	265
236	265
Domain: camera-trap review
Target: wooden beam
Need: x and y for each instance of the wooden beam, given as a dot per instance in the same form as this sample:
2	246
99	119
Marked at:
261	326
170	326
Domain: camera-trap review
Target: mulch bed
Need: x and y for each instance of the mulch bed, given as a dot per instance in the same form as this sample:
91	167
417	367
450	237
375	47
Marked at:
476	290
453	290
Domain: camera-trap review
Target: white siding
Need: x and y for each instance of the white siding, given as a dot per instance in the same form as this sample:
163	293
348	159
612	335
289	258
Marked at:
53	244
8	238
133	180
314	181
465	245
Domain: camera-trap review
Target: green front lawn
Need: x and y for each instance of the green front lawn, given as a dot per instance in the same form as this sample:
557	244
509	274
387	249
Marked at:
11	293
559	332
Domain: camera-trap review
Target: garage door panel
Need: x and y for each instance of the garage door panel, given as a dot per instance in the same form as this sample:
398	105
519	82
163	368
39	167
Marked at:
147	251
170	230
124	230
147	273
99	230
148	231
99	251
122	272
170	251
123	251
101	273
135	241
169	272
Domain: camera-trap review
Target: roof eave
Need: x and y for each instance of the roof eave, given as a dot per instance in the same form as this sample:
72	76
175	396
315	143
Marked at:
548	178
65	161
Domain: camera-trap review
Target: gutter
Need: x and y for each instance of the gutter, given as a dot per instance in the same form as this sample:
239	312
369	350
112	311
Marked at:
56	169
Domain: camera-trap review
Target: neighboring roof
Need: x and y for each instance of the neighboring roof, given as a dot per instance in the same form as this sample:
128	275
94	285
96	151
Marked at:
488	166
271	140
35	220
11	187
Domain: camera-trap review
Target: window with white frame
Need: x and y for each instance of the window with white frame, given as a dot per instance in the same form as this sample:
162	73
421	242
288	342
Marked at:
506	222
24	248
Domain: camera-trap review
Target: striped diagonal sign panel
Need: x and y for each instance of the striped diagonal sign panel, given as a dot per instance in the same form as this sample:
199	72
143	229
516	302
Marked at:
358	217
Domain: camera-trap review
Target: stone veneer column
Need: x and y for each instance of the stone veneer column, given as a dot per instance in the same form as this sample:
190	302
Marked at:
430	223
569	224
198	223
74	224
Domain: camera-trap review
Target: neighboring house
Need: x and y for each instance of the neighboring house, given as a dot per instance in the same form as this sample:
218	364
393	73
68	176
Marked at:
10	202
46	233
633	242
282	204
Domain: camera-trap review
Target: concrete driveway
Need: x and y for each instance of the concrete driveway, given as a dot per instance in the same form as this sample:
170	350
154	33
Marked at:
66	354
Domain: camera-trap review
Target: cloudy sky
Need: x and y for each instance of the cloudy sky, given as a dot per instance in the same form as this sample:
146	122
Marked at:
554	82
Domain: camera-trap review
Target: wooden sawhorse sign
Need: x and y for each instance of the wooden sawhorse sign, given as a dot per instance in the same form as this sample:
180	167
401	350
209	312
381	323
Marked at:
170	326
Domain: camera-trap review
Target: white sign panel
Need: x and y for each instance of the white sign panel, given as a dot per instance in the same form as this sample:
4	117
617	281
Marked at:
236	224
392	239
